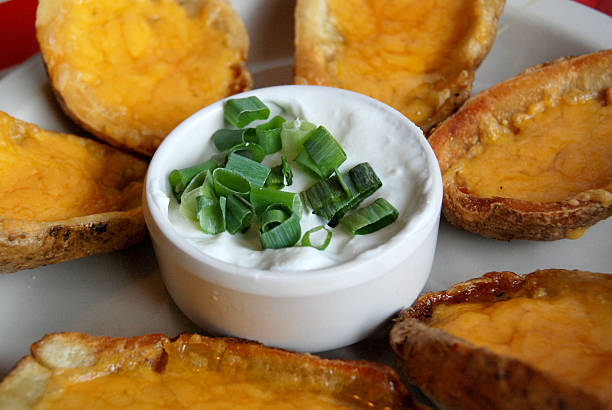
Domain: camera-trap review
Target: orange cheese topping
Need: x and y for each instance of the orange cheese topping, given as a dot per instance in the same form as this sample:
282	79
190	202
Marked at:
391	50
46	176
147	65
568	334
561	148
180	385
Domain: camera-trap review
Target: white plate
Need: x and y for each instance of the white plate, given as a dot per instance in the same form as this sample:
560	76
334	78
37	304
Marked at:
122	294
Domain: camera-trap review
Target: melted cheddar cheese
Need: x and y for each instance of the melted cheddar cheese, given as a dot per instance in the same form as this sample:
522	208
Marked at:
141	66
560	149
568	333
396	51
47	176
182	384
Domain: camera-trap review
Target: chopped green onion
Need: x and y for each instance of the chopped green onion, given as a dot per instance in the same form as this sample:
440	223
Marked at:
364	178
264	197
280	227
324	192
371	218
227	182
323	245
308	165
293	134
188	206
226	139
240	112
250	150
322	150
276	179
239	213
179	178
268	134
253	171
195	182
210	210
286	168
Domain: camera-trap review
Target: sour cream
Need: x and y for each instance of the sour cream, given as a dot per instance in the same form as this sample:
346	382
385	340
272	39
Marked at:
394	151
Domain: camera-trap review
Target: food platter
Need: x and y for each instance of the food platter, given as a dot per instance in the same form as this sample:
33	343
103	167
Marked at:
122	293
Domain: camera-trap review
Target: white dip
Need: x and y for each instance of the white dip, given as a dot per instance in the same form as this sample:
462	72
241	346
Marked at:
367	133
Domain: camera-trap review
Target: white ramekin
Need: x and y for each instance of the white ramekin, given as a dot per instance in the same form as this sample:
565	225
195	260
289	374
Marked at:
309	311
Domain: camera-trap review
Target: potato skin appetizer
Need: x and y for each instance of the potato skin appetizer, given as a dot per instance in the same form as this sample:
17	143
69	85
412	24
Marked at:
130	71
416	56
64	197
569	97
198	370
474	372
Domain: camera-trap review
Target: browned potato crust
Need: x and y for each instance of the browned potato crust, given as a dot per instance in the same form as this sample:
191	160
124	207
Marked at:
455	373
130	72
509	218
28	242
355	383
396	66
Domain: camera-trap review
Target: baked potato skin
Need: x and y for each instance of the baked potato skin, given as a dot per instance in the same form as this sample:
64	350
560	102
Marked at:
315	39
27	245
455	373
25	384
508	218
119	124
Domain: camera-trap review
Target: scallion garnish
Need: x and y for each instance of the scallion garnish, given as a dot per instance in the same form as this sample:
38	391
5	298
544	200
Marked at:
323	245
293	134
179	178
240	112
227	182
321	153
268	134
261	198
250	150
255	172
286	169
238	214
276	179
226	139
280	227
371	218
210	210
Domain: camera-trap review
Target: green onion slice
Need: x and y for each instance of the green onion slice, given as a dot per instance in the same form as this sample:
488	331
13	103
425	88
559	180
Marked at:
227	182
261	198
179	178
276	179
286	169
253	171
250	150
211	211
239	214
195	182
280	227
322	150
240	112
293	134
324	192
268	135
323	245
226	139
371	218
188	207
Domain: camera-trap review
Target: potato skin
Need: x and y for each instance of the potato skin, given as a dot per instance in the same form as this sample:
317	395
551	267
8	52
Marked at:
508	218
315	39
454	373
343	379
27	244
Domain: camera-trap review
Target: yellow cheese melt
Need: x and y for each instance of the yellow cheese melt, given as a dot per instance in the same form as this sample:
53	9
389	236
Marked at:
46	176
181	385
144	65
568	334
395	51
561	149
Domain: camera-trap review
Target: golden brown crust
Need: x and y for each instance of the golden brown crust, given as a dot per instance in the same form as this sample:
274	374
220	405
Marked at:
26	244
455	373
372	382
508	218
107	121
316	38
